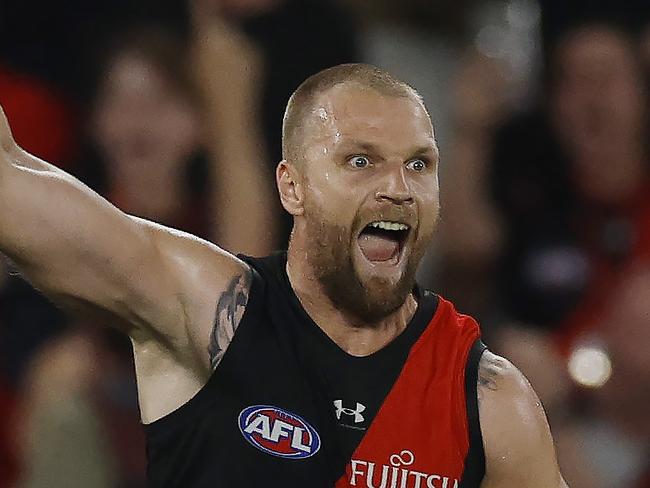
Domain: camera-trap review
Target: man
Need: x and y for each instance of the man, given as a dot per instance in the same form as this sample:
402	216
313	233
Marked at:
325	366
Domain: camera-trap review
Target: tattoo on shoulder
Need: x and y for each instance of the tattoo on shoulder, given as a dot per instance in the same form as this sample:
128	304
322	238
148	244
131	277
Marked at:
490	367
230	309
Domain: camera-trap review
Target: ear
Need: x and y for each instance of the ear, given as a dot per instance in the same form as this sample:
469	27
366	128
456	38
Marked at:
290	188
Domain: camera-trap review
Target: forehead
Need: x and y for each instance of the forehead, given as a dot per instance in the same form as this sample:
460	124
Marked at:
352	113
600	48
132	77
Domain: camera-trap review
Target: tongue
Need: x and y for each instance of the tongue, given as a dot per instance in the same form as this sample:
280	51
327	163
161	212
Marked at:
377	247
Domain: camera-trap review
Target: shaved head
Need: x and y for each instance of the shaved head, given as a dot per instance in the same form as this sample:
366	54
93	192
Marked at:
302	108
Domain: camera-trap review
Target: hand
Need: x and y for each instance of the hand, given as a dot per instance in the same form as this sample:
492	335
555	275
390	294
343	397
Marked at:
228	70
64	367
226	65
224	54
480	92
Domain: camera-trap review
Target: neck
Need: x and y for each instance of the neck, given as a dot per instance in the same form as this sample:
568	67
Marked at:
354	336
597	179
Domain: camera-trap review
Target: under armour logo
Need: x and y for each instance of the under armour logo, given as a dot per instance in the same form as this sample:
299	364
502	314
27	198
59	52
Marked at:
340	410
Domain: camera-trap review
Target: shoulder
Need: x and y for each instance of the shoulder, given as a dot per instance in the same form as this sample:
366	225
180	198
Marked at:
496	373
519	449
447	311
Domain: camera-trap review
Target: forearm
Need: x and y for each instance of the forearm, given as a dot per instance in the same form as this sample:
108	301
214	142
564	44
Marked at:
229	78
243	184
472	231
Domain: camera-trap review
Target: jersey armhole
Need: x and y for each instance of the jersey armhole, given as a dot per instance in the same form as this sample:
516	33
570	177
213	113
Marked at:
474	470
204	398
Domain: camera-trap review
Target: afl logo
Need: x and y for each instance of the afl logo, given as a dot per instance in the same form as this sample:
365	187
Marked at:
278	432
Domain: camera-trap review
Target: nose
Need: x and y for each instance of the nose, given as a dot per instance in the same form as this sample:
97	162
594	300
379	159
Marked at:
395	188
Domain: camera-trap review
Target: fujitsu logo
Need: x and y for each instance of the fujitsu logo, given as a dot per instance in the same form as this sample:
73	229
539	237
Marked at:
396	474
340	410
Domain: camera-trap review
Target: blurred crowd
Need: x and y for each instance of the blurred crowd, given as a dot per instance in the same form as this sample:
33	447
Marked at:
172	110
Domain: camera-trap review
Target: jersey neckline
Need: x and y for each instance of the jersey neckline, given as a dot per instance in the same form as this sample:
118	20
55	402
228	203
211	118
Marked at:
427	305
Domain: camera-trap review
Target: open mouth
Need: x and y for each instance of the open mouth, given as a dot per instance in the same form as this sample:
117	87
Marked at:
382	241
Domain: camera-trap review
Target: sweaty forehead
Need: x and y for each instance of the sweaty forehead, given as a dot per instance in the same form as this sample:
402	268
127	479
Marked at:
352	112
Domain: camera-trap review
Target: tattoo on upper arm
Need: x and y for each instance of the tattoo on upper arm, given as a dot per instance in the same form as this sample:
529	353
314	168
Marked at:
230	309
490	367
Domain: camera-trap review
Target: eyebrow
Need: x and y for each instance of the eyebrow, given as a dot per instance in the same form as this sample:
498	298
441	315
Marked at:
363	146
427	151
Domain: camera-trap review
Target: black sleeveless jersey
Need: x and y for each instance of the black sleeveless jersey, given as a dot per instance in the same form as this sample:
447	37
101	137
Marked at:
287	407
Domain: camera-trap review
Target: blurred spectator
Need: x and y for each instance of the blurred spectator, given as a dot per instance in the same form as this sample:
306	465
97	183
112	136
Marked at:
421	41
228	69
175	131
622	403
295	39
569	221
42	119
558	16
470	228
146	128
572	186
176	134
57	43
468	60
613	430
79	417
446	18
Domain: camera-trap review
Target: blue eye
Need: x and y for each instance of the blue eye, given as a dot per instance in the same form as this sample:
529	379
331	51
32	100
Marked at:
416	165
359	162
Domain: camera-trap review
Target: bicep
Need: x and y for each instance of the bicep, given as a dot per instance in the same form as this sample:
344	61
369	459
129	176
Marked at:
84	253
205	288
519	449
69	242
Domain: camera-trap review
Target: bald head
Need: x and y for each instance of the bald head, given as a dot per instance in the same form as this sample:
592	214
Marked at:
302	107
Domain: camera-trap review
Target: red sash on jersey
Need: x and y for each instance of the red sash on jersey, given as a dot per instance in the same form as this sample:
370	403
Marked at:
420	436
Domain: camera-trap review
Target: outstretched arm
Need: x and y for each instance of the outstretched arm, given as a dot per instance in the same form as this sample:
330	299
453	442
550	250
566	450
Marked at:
83	252
519	448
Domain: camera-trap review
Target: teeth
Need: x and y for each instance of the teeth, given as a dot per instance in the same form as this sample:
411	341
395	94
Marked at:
383	224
